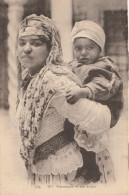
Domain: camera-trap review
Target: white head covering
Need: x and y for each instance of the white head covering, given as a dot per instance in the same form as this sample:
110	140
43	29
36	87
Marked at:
89	29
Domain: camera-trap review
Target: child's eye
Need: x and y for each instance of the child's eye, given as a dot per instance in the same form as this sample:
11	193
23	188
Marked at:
90	47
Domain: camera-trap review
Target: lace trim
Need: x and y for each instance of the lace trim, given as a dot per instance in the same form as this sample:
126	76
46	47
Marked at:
64	161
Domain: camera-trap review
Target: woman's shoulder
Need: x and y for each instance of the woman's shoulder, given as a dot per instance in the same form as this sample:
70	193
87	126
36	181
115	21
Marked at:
73	64
61	72
56	71
58	76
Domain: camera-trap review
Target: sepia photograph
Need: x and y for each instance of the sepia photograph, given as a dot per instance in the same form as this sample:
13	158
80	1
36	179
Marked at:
64	97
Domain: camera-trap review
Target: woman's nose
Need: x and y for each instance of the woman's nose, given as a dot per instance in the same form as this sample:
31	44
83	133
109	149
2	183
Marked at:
27	48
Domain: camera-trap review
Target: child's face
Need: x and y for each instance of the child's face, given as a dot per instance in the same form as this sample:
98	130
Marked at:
86	51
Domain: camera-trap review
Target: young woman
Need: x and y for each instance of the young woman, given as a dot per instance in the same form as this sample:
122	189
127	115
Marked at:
50	153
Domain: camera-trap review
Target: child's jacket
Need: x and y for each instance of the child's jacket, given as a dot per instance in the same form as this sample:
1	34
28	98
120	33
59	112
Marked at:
105	83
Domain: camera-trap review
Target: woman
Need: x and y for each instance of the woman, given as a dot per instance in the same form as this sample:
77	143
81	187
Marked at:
51	155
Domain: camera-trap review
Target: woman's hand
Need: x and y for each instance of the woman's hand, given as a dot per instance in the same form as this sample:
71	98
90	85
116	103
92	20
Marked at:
73	95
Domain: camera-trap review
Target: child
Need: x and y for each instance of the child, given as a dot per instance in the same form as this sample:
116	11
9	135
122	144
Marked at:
101	82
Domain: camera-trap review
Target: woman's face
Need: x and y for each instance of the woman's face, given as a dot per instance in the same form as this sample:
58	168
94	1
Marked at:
86	51
32	52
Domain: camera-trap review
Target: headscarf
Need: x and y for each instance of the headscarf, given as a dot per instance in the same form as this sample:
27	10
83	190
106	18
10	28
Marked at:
41	26
91	30
37	91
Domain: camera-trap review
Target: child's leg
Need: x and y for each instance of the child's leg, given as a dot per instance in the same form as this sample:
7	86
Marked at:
106	167
89	172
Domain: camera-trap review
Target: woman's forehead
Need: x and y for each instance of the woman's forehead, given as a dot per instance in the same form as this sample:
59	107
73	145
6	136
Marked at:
30	37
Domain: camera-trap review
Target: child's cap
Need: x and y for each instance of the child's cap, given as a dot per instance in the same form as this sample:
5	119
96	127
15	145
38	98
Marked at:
89	29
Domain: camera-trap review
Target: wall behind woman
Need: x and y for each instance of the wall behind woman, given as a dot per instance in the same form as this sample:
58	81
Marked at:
38	7
3	56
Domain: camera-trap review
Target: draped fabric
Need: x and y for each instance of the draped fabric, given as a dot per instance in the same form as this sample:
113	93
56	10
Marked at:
34	92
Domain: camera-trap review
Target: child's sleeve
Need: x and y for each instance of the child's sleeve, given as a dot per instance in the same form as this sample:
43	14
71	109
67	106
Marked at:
102	88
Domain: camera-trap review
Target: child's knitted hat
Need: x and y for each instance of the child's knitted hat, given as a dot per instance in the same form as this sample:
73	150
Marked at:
89	29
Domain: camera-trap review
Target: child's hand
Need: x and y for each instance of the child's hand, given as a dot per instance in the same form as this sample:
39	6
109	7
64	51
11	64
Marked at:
73	95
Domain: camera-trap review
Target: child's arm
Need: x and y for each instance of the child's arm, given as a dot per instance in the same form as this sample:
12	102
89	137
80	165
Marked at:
73	95
99	88
104	89
107	83
102	78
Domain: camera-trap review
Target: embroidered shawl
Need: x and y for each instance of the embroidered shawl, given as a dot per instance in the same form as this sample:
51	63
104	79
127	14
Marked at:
38	91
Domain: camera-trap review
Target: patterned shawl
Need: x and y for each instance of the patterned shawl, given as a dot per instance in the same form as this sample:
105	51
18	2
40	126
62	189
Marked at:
37	91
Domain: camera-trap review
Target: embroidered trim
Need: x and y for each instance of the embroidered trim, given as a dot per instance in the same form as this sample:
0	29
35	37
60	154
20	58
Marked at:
49	147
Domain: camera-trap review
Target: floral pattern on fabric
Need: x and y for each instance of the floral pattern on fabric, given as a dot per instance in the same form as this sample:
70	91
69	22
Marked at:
36	100
104	161
35	93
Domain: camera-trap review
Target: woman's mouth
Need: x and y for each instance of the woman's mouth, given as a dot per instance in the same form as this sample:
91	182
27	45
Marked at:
26	61
26	57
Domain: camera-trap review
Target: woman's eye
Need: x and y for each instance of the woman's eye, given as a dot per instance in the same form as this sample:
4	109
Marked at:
37	43
21	43
78	48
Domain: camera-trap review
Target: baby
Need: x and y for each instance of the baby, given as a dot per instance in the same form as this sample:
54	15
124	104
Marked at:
100	79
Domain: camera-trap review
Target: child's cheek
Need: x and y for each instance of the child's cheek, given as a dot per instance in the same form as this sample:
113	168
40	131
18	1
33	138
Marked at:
77	56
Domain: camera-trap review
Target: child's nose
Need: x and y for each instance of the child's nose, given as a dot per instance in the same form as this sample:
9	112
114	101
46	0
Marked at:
84	52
